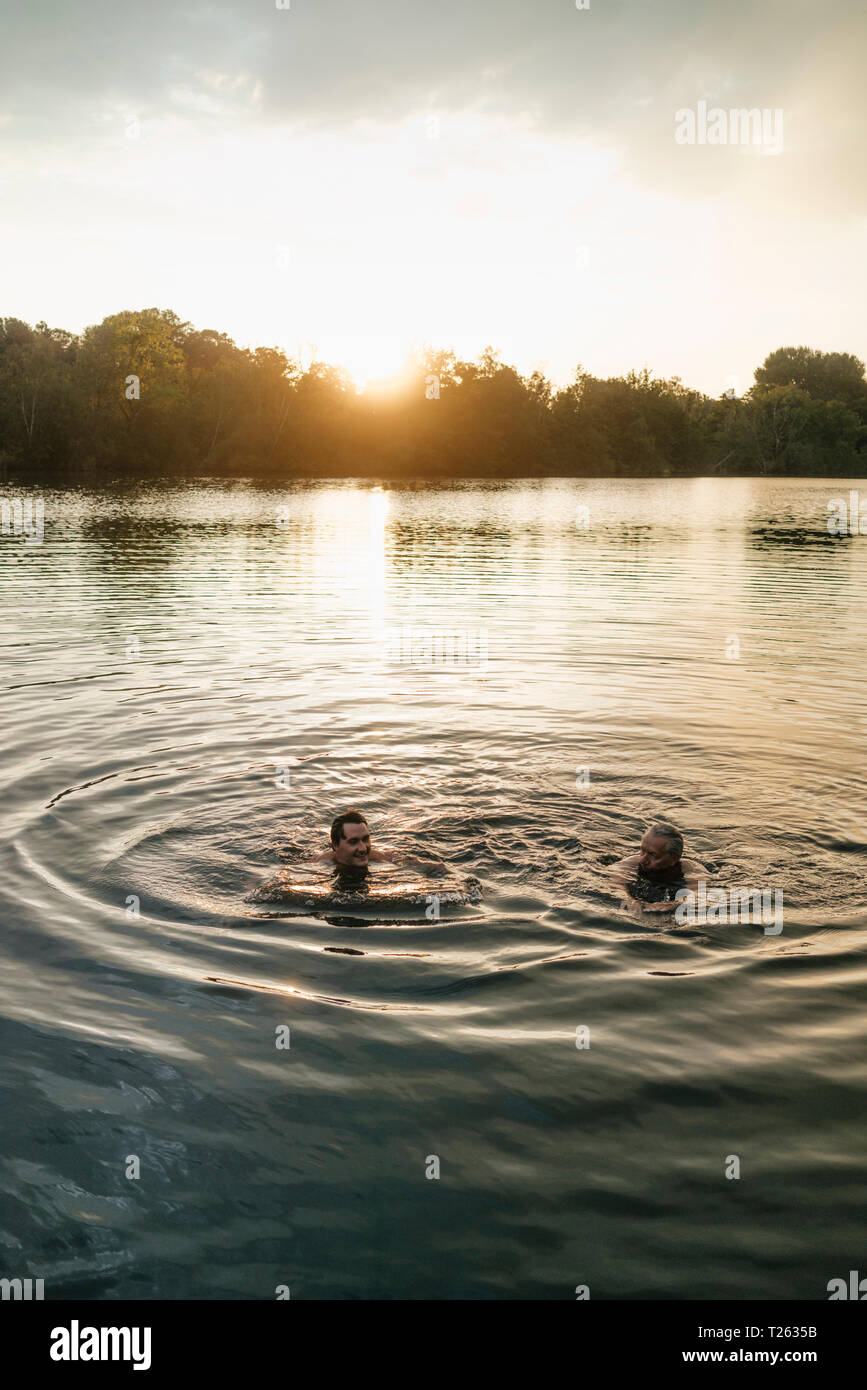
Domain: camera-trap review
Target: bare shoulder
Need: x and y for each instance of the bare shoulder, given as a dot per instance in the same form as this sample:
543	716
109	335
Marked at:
693	869
630	862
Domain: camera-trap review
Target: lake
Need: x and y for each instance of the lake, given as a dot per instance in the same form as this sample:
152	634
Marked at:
206	1101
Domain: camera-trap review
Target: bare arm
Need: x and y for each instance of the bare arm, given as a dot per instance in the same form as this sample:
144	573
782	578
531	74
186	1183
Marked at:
693	871
624	869
622	873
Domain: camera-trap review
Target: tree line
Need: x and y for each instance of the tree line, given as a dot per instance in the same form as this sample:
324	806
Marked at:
144	394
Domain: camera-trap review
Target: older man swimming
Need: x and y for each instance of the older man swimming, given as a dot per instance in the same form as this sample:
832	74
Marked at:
652	877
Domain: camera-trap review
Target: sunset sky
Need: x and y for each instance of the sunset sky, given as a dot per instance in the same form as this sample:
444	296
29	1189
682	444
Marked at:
362	176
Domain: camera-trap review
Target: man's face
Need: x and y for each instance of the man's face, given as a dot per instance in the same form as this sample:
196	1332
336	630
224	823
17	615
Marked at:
354	844
655	857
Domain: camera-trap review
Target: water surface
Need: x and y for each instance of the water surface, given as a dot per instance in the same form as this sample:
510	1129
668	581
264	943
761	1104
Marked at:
197	677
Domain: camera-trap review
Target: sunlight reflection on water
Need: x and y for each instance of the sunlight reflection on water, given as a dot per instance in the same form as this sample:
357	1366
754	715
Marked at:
198	677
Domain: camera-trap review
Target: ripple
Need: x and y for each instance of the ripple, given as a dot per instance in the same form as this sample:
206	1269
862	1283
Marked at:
141	806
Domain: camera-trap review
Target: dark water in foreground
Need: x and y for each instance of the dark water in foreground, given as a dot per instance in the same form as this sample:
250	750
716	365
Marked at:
196	678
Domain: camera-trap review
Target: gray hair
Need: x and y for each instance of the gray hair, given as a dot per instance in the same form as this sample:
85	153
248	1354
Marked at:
671	835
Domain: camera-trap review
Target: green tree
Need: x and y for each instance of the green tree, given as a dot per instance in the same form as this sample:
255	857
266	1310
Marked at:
37	405
783	430
132	378
826	376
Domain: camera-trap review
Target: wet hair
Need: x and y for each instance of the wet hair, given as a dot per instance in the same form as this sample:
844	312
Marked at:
671	835
353	817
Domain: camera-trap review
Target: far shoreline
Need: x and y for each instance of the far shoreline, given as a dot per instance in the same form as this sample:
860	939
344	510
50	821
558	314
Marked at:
144	394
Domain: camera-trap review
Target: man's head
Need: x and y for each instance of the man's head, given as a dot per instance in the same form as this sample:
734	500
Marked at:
350	839
661	849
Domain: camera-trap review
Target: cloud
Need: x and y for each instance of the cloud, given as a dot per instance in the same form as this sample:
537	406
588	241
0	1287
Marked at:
436	169
613	74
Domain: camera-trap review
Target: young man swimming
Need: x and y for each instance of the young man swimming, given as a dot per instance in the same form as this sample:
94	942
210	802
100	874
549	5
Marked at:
350	842
652	877
351	847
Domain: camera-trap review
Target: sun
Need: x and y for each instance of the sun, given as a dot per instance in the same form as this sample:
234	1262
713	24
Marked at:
368	357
